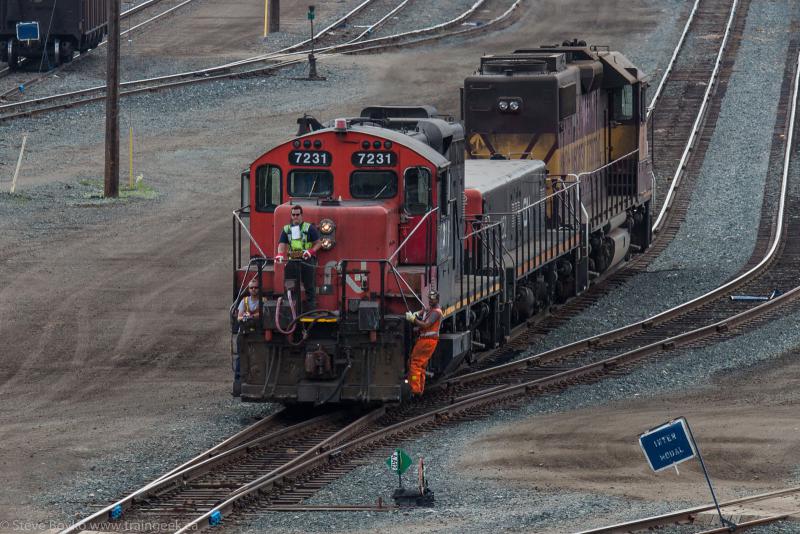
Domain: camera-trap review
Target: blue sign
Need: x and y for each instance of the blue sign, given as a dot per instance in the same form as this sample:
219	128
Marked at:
27	31
667	445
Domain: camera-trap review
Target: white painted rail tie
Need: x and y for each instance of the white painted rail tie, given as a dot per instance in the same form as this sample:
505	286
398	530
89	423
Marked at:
19	163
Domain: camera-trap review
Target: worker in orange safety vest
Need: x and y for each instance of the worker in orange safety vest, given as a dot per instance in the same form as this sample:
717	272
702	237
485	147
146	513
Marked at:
428	324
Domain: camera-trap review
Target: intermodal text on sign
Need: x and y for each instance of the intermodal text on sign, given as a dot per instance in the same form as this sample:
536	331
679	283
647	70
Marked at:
667	445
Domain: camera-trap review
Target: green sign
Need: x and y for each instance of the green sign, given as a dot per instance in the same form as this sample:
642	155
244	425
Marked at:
310	12
399	461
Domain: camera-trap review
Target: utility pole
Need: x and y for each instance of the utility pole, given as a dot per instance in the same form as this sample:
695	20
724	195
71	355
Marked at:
111	182
274	16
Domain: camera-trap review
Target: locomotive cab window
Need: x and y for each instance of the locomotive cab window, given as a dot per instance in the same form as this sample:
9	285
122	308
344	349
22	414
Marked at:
444	192
373	184
623	103
268	188
417	186
310	183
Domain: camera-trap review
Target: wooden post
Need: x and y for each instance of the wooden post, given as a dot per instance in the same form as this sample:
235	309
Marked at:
274	16
111	181
266	17
130	158
19	164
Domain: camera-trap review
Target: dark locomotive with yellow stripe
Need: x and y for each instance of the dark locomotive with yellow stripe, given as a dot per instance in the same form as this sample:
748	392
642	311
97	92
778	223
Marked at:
581	110
549	187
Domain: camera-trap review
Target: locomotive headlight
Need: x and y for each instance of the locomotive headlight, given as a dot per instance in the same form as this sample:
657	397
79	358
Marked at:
327	226
327	243
513	105
503	105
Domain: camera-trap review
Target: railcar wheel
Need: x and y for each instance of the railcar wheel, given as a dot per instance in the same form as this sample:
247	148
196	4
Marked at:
56	52
13	58
66	50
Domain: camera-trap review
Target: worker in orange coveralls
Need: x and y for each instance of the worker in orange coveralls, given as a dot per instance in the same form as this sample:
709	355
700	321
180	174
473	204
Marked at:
428	325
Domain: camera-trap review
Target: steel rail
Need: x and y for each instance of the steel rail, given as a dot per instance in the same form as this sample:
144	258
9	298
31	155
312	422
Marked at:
672	60
685	515
123	15
322	450
754	523
233	446
180	83
192	73
696	127
256	59
640	326
237	439
500	18
380	22
475	400
203	75
474	397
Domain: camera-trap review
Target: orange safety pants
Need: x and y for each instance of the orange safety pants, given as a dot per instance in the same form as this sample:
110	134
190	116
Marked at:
422	352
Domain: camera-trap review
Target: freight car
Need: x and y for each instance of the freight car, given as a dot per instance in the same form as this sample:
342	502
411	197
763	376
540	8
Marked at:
406	203
55	29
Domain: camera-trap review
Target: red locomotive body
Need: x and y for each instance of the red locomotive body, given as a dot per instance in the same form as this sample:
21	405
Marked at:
380	199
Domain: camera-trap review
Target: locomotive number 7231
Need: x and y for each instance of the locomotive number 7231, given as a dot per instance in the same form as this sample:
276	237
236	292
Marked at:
374	159
310	158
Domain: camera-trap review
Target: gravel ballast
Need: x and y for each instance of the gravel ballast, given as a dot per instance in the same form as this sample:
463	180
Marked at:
720	228
721	224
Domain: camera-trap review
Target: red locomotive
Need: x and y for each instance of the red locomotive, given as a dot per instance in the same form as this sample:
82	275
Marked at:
399	212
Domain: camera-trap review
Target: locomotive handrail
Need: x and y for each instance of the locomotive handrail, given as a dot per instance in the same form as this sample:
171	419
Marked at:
413	231
249	235
602	167
483	228
698	121
570	185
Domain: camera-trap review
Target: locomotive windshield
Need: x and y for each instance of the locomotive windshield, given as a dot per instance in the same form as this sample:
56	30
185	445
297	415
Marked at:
310	183
373	184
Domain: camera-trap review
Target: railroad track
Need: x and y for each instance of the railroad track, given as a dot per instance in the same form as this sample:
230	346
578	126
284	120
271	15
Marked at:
268	446
688	141
271	63
479	394
748	512
16	86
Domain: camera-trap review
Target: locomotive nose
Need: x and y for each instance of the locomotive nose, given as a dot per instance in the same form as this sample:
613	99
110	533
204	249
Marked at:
356	230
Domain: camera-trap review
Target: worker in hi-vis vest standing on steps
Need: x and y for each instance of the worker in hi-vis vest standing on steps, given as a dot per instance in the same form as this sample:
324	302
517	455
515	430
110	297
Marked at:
427	322
299	242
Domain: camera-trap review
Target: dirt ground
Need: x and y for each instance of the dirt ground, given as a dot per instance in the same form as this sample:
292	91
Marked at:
108	331
746	427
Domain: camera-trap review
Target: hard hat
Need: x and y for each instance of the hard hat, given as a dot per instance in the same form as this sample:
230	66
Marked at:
433	294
